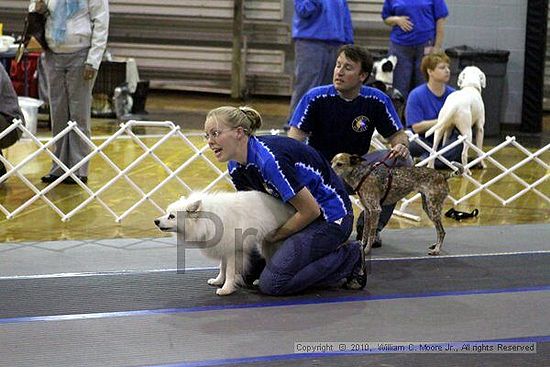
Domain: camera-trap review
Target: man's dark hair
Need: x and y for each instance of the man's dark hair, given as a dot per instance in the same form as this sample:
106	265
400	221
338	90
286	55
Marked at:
360	55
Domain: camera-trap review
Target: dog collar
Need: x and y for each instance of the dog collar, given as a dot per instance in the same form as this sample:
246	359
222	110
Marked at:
372	168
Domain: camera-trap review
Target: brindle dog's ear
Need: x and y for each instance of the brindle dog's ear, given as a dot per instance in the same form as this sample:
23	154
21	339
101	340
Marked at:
355	160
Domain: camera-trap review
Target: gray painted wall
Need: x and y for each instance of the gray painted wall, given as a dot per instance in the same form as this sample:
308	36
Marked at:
493	24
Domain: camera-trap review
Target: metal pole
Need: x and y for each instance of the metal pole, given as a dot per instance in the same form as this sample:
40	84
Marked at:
236	68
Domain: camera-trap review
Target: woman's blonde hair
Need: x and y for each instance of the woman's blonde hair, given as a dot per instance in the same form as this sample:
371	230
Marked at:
246	117
430	62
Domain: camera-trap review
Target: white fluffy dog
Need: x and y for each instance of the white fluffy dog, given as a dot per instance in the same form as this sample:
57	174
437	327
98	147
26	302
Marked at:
226	226
464	110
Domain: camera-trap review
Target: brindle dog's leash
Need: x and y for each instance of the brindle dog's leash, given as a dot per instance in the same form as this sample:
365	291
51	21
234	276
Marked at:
375	166
21	48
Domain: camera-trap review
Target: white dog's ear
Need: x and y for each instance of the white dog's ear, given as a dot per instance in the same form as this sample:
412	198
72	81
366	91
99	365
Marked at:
482	79
194	207
460	80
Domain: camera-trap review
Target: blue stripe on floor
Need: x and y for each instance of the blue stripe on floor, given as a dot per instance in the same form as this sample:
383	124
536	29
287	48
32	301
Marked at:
298	302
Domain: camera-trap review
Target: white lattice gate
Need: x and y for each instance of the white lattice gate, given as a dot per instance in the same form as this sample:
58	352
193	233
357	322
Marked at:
197	154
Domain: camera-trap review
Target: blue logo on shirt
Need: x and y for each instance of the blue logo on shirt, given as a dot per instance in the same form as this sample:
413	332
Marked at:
360	124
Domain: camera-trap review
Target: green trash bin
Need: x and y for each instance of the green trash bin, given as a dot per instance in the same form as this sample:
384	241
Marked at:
493	63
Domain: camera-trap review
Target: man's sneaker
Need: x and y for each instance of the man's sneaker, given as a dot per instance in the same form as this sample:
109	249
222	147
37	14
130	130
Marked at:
358	278
377	241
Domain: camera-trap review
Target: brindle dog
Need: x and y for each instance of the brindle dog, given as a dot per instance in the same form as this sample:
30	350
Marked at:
379	185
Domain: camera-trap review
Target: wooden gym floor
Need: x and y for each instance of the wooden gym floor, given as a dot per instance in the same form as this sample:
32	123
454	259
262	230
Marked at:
39	222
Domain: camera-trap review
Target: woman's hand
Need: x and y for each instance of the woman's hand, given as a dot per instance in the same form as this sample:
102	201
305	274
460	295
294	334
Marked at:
404	22
271	238
89	72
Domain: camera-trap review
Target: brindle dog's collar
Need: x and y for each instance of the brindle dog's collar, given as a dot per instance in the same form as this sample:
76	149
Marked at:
372	168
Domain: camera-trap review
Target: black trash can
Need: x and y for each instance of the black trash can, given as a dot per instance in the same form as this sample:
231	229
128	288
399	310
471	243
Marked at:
493	63
140	97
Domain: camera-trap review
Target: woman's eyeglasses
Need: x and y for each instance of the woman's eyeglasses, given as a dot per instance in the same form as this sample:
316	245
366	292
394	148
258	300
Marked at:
214	134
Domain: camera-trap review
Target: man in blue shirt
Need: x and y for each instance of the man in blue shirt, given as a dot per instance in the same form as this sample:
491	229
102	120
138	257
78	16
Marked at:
319	28
341	117
424	104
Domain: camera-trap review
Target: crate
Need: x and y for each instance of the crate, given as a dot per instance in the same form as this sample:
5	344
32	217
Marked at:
110	75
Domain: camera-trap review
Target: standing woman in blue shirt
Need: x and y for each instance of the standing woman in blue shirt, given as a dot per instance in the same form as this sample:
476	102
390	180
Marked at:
314	250
418	28
319	28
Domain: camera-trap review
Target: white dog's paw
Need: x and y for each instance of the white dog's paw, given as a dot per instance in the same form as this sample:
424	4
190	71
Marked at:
226	290
216	282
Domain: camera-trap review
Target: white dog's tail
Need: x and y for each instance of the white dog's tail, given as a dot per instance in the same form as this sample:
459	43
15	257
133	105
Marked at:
432	129
445	114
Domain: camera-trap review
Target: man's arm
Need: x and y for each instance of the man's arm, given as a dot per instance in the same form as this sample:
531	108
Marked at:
399	145
297	134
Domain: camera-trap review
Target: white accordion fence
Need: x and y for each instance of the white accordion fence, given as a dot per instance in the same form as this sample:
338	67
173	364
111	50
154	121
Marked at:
125	131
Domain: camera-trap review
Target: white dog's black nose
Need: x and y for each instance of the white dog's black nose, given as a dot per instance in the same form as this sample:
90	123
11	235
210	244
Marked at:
157	222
